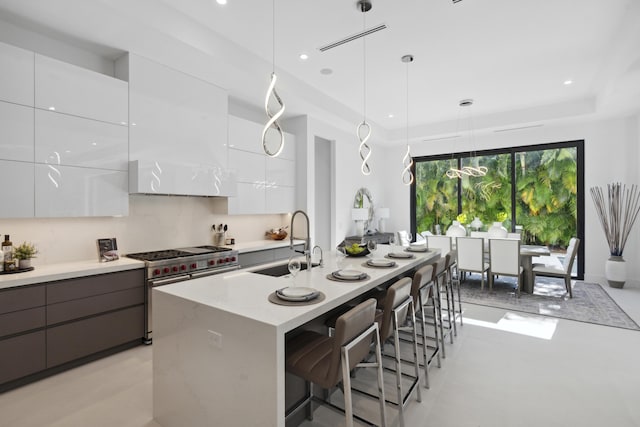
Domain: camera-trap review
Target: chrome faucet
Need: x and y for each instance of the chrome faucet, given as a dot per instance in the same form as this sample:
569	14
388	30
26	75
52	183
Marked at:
307	240
313	251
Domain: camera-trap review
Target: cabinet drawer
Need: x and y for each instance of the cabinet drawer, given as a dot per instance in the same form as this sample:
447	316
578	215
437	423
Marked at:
78	339
72	289
21	356
75	309
23	320
254	258
16	299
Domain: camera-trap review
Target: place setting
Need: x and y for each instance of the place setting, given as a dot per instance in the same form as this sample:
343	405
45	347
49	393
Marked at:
344	272
395	253
373	262
296	295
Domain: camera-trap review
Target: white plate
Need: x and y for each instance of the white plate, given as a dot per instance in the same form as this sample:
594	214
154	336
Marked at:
399	255
381	262
297	291
417	249
348	274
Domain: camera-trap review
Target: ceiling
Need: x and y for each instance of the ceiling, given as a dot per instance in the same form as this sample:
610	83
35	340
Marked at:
511	56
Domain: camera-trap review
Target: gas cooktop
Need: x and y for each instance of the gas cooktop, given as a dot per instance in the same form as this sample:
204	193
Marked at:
176	253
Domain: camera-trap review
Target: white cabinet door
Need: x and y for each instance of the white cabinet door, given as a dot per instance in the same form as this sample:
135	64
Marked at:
75	141
69	89
66	191
16	132
250	199
16	181
280	172
245	135
248	167
279	199
16	84
176	118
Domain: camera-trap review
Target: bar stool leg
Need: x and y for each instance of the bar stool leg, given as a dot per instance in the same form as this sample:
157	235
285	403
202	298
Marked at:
381	398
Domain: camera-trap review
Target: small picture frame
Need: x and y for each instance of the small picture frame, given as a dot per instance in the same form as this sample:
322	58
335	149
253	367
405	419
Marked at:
107	249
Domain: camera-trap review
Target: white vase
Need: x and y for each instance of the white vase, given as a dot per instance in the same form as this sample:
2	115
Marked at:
476	223
615	270
497	230
456	230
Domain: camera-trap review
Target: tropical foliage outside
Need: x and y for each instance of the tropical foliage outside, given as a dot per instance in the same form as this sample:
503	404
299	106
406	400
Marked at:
545	194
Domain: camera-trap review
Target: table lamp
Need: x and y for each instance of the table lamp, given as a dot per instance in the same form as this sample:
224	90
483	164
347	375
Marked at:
360	215
382	214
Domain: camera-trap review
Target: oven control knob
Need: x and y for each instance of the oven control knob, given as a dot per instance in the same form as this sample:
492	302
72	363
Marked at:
165	270
183	267
233	258
220	261
175	268
194	265
227	259
212	262
156	271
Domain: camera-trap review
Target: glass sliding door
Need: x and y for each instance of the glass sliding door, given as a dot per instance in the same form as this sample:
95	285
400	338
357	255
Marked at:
488	197
538	190
436	196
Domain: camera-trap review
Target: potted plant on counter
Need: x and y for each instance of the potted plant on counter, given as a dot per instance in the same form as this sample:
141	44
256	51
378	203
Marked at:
23	253
617	214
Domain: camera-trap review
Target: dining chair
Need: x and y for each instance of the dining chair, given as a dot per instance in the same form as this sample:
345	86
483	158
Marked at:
471	259
565	270
443	243
504	256
327	361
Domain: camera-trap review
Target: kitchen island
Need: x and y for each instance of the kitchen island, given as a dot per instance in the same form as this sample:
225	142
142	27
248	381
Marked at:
219	344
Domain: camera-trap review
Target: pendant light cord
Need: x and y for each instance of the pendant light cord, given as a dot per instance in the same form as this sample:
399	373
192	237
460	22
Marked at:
273	36
364	67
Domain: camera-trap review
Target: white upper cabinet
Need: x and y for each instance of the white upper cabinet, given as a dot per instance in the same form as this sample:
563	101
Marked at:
265	184
16	84
67	191
16	132
178	122
66	88
74	141
16	189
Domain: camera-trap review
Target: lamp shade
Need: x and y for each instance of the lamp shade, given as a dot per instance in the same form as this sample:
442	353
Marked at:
382	212
360	214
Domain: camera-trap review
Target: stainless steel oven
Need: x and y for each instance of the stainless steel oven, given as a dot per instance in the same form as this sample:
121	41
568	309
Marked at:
175	265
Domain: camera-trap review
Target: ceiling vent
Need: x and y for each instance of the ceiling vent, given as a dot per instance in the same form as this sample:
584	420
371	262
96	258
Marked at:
519	128
353	37
456	1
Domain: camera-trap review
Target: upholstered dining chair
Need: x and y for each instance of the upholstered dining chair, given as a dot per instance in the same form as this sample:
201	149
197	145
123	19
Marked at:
565	270
504	256
326	361
440	242
471	257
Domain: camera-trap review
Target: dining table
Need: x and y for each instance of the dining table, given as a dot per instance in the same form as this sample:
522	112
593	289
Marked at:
527	252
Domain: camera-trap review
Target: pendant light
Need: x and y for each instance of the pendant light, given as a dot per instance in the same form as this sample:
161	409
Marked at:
272	122
407	160
472	170
363	130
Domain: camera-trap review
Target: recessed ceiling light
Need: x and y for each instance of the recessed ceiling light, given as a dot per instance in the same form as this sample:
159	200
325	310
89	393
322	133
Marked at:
304	56
568	82
326	71
390	115
221	2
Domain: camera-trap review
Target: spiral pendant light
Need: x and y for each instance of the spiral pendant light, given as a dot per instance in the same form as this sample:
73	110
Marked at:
363	130
272	123
407	160
470	171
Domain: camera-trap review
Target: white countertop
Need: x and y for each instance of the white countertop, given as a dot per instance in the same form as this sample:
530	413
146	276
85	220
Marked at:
246	294
67	270
261	245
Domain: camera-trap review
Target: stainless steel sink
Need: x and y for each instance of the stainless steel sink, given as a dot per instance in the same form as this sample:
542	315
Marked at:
280	270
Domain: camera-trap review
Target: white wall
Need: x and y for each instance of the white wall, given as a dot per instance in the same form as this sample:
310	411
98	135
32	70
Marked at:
348	177
154	223
611	155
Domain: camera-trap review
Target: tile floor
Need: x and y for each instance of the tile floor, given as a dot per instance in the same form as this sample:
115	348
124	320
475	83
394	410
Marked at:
503	370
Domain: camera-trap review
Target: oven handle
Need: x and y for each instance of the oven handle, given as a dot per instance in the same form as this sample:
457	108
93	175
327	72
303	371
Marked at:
214	271
169	280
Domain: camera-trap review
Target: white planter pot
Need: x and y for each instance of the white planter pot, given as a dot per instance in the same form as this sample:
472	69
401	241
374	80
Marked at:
24	263
497	230
615	270
456	230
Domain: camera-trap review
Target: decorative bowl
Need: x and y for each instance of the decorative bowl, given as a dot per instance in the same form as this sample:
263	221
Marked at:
276	236
364	252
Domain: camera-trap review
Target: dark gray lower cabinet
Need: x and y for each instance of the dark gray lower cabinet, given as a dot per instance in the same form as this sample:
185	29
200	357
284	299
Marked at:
79	339
22	355
49	324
